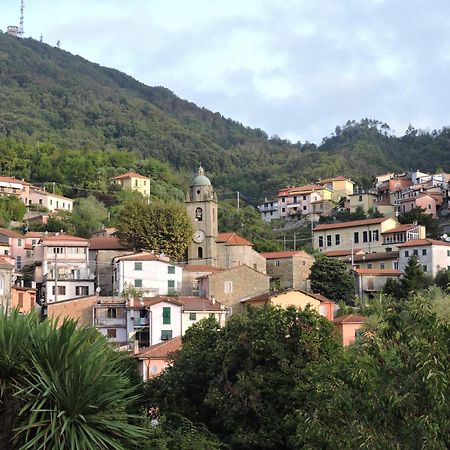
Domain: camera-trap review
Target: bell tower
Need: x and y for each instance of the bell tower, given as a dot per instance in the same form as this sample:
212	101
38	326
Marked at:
201	205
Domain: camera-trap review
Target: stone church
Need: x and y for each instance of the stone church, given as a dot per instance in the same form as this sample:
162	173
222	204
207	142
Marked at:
208	247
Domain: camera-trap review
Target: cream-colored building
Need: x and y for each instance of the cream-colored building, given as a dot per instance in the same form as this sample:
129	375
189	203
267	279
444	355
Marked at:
363	234
369	281
133	181
339	186
53	202
364	200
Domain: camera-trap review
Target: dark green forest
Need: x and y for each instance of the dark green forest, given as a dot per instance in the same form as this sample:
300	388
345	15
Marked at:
70	121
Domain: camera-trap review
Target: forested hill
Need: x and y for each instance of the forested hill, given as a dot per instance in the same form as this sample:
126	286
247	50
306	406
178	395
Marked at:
69	106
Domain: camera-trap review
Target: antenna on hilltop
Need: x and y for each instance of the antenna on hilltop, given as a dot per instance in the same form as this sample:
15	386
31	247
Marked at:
22	6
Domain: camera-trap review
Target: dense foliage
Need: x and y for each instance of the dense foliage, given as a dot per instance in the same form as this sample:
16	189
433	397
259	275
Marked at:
77	123
162	227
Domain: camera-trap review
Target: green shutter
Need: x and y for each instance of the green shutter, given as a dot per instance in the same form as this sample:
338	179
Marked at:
166	315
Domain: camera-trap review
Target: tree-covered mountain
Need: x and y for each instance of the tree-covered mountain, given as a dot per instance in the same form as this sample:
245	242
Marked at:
68	120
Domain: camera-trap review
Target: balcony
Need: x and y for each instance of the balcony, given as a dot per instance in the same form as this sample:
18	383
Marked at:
74	274
140	321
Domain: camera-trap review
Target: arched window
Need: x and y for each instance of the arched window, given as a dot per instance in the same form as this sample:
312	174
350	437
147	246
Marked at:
200	252
198	214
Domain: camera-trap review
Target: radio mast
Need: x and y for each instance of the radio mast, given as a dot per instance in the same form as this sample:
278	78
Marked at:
22	6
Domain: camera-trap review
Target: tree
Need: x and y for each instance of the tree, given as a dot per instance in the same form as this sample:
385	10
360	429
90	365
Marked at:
88	215
163	227
62	387
442	280
419	216
246	381
11	208
414	278
330	277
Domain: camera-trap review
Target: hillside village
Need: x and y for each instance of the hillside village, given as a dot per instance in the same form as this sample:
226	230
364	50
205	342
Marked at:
143	301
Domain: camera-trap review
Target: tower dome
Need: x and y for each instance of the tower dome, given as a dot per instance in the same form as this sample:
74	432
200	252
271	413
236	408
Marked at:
201	179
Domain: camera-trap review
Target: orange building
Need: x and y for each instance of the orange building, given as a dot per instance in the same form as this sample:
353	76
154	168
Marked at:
23	298
349	327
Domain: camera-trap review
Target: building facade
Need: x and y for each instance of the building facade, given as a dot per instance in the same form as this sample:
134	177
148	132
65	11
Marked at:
133	181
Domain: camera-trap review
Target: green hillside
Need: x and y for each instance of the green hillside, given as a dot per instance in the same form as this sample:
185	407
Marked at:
63	119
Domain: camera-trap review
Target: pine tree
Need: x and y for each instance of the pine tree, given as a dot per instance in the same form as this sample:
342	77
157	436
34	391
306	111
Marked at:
414	279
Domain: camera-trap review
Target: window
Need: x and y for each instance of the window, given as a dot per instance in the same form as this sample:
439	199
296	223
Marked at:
283	199
448	252
56	250
171	284
369	266
136	183
166	315
166	335
416	252
171	270
192	316
425	268
396	265
283	209
360	198
18	262
365	236
304	197
81	290
424	251
355	237
429	206
329	241
19	242
111	313
337	239
137	266
200	252
375	235
138	283
61	290
40	201
382	266
320	241
198	214
51	201
277	263
20	300
406	253
228	287
111	333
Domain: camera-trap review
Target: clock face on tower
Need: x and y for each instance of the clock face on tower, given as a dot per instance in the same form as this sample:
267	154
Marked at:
199	236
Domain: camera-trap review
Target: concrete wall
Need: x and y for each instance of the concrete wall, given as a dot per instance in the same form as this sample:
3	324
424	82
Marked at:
229	256
80	309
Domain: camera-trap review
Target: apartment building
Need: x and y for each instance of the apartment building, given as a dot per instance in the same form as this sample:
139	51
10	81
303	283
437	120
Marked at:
133	181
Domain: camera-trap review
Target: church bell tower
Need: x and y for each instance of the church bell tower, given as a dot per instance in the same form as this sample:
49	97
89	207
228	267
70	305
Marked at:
201	205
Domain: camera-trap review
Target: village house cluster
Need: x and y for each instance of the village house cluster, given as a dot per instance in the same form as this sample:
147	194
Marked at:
144	302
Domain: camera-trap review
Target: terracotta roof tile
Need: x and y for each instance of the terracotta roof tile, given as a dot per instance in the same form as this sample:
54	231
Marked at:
350	318
377	256
286	254
129	175
343	252
338	178
145	302
191	303
163	350
267	296
144	256
64	238
401	228
10	233
105	243
421	242
379	272
232	239
353	223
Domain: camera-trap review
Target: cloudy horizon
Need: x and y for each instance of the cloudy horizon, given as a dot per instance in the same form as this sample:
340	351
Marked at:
295	69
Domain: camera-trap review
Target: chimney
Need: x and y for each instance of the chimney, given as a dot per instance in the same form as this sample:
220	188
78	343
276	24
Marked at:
135	346
213	300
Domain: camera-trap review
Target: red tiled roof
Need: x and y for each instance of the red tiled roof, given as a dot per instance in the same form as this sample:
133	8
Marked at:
401	228
145	302
201	268
144	256
338	178
37	234
163	350
379	272
350	318
353	223
14	180
286	254
232	239
129	175
64	238
377	256
343	252
420	242
191	303
105	243
5	262
269	295
10	233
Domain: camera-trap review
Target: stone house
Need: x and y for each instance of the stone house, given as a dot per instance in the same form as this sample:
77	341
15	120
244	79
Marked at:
369	281
289	269
230	286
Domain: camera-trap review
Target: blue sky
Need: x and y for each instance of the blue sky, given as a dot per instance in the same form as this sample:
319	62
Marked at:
294	68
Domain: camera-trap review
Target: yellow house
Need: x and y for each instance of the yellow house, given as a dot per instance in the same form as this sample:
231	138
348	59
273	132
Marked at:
364	234
340	186
294	297
366	200
133	181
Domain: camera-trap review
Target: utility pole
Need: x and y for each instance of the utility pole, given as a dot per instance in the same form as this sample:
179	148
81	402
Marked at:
56	277
295	241
238	200
353	257
284	242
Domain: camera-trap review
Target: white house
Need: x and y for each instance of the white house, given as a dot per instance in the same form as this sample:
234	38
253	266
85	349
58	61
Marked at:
62	268
52	202
150	273
433	255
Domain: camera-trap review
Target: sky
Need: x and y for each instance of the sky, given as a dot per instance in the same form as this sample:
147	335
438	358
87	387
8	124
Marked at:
293	68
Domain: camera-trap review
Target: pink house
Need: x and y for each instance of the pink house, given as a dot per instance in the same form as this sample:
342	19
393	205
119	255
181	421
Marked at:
349	327
429	202
153	360
16	243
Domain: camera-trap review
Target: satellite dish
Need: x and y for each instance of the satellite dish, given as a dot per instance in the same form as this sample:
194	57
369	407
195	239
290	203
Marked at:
444	236
98	290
